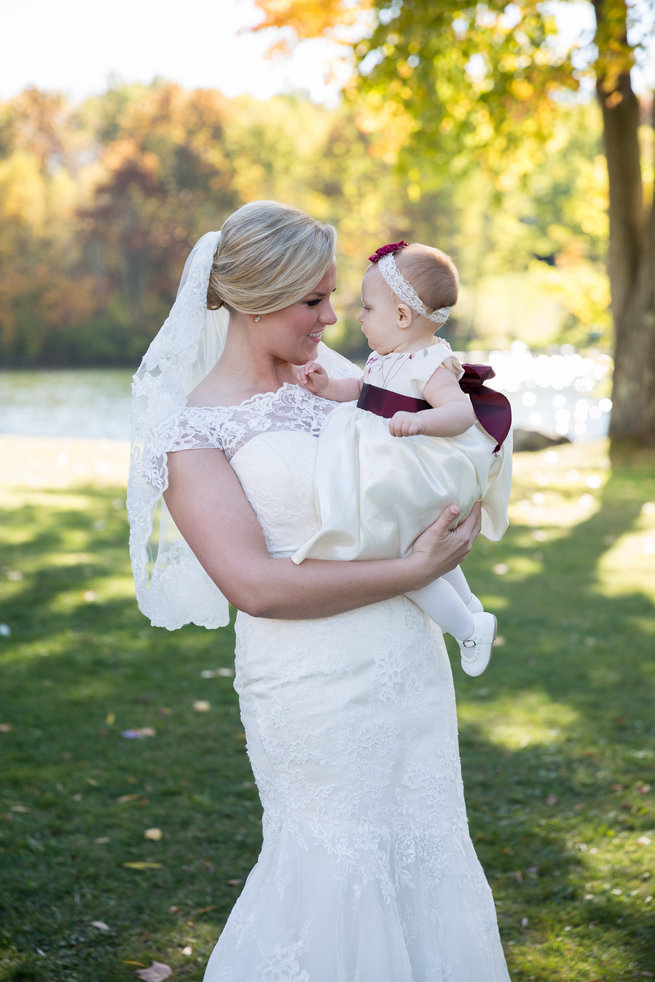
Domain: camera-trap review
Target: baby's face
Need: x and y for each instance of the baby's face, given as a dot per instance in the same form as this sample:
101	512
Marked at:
378	316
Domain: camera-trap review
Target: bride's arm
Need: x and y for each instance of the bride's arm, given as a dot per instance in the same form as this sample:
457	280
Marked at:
211	511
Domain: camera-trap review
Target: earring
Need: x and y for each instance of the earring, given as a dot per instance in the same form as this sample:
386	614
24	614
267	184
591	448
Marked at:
257	318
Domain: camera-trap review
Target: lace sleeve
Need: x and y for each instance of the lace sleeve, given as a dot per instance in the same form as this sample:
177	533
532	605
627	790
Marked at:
195	429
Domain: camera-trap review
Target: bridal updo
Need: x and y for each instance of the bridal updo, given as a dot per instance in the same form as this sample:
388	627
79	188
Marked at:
270	256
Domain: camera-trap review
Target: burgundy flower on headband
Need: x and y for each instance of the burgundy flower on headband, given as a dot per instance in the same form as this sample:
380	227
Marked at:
386	250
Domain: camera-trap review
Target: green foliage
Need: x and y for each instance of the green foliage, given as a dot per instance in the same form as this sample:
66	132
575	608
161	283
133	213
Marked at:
99	204
557	739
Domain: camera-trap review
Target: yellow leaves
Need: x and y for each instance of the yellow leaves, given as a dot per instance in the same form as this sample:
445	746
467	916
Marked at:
142	865
310	18
154	835
522	89
23	190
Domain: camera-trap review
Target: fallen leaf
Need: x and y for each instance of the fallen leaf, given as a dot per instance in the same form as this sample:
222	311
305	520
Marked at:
143	865
201	706
128	797
153	834
100	925
156	973
5	727
111	719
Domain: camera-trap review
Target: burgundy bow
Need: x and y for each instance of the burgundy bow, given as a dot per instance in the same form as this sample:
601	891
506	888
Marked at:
492	408
386	250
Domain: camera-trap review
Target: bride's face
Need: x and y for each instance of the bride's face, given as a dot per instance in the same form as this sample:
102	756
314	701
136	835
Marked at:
293	333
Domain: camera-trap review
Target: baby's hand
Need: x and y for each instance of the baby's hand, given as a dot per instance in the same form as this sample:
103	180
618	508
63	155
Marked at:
405	424
314	377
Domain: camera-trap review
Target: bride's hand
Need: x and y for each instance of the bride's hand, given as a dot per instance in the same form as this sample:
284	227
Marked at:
439	549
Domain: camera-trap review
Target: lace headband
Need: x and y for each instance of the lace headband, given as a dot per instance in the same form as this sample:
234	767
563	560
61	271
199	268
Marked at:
404	290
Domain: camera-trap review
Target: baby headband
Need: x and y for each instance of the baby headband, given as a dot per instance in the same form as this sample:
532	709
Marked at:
385	262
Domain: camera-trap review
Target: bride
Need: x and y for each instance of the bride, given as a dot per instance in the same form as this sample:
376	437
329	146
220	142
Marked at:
367	872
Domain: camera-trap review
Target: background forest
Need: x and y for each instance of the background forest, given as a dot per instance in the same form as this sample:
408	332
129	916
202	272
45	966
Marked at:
100	202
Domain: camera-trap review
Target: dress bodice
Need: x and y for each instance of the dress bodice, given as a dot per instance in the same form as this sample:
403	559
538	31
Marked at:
270	441
407	372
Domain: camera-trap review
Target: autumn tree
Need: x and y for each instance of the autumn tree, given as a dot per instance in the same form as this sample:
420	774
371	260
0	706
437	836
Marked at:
483	81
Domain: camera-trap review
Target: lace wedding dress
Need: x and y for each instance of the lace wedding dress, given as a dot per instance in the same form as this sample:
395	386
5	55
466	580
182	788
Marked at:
367	872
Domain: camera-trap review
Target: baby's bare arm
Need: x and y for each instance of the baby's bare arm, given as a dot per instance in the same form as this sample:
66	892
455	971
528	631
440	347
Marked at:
452	412
315	378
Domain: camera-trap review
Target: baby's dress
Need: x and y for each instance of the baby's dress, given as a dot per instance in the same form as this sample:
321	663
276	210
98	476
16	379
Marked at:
367	872
375	492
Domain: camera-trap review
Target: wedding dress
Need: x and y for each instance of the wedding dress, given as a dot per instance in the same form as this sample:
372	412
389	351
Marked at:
367	872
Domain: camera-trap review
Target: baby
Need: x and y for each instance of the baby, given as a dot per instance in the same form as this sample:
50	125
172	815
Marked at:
375	493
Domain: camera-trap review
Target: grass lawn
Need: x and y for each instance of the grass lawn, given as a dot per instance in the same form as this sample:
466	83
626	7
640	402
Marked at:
128	818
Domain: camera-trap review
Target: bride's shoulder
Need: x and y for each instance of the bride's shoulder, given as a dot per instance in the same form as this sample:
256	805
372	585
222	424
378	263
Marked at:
214	394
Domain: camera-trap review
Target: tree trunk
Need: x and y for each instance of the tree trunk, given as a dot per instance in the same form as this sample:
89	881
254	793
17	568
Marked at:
631	256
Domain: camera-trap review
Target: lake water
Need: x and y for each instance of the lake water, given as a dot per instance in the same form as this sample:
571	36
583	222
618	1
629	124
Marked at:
564	392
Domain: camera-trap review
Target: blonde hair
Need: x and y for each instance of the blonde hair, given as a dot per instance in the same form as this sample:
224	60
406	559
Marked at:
431	272
270	256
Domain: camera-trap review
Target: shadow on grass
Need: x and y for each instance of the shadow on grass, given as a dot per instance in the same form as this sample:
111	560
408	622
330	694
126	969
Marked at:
81	668
556	815
82	665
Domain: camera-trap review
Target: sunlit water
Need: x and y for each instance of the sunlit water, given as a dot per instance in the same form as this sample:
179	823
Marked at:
566	393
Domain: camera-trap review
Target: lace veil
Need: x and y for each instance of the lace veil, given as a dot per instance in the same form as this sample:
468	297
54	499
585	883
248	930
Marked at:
172	588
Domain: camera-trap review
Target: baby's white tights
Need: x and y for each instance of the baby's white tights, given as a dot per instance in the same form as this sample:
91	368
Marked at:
444	601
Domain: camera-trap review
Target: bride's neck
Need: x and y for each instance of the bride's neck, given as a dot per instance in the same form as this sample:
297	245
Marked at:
245	368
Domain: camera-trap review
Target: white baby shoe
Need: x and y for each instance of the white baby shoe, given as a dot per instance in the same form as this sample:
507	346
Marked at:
476	650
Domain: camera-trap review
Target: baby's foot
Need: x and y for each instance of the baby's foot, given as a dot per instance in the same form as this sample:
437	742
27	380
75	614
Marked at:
476	650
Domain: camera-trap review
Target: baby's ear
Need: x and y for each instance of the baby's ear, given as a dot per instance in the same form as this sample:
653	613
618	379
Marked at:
404	316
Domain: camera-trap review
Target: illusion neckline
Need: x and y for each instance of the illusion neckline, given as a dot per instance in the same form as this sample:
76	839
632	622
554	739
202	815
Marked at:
271	394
